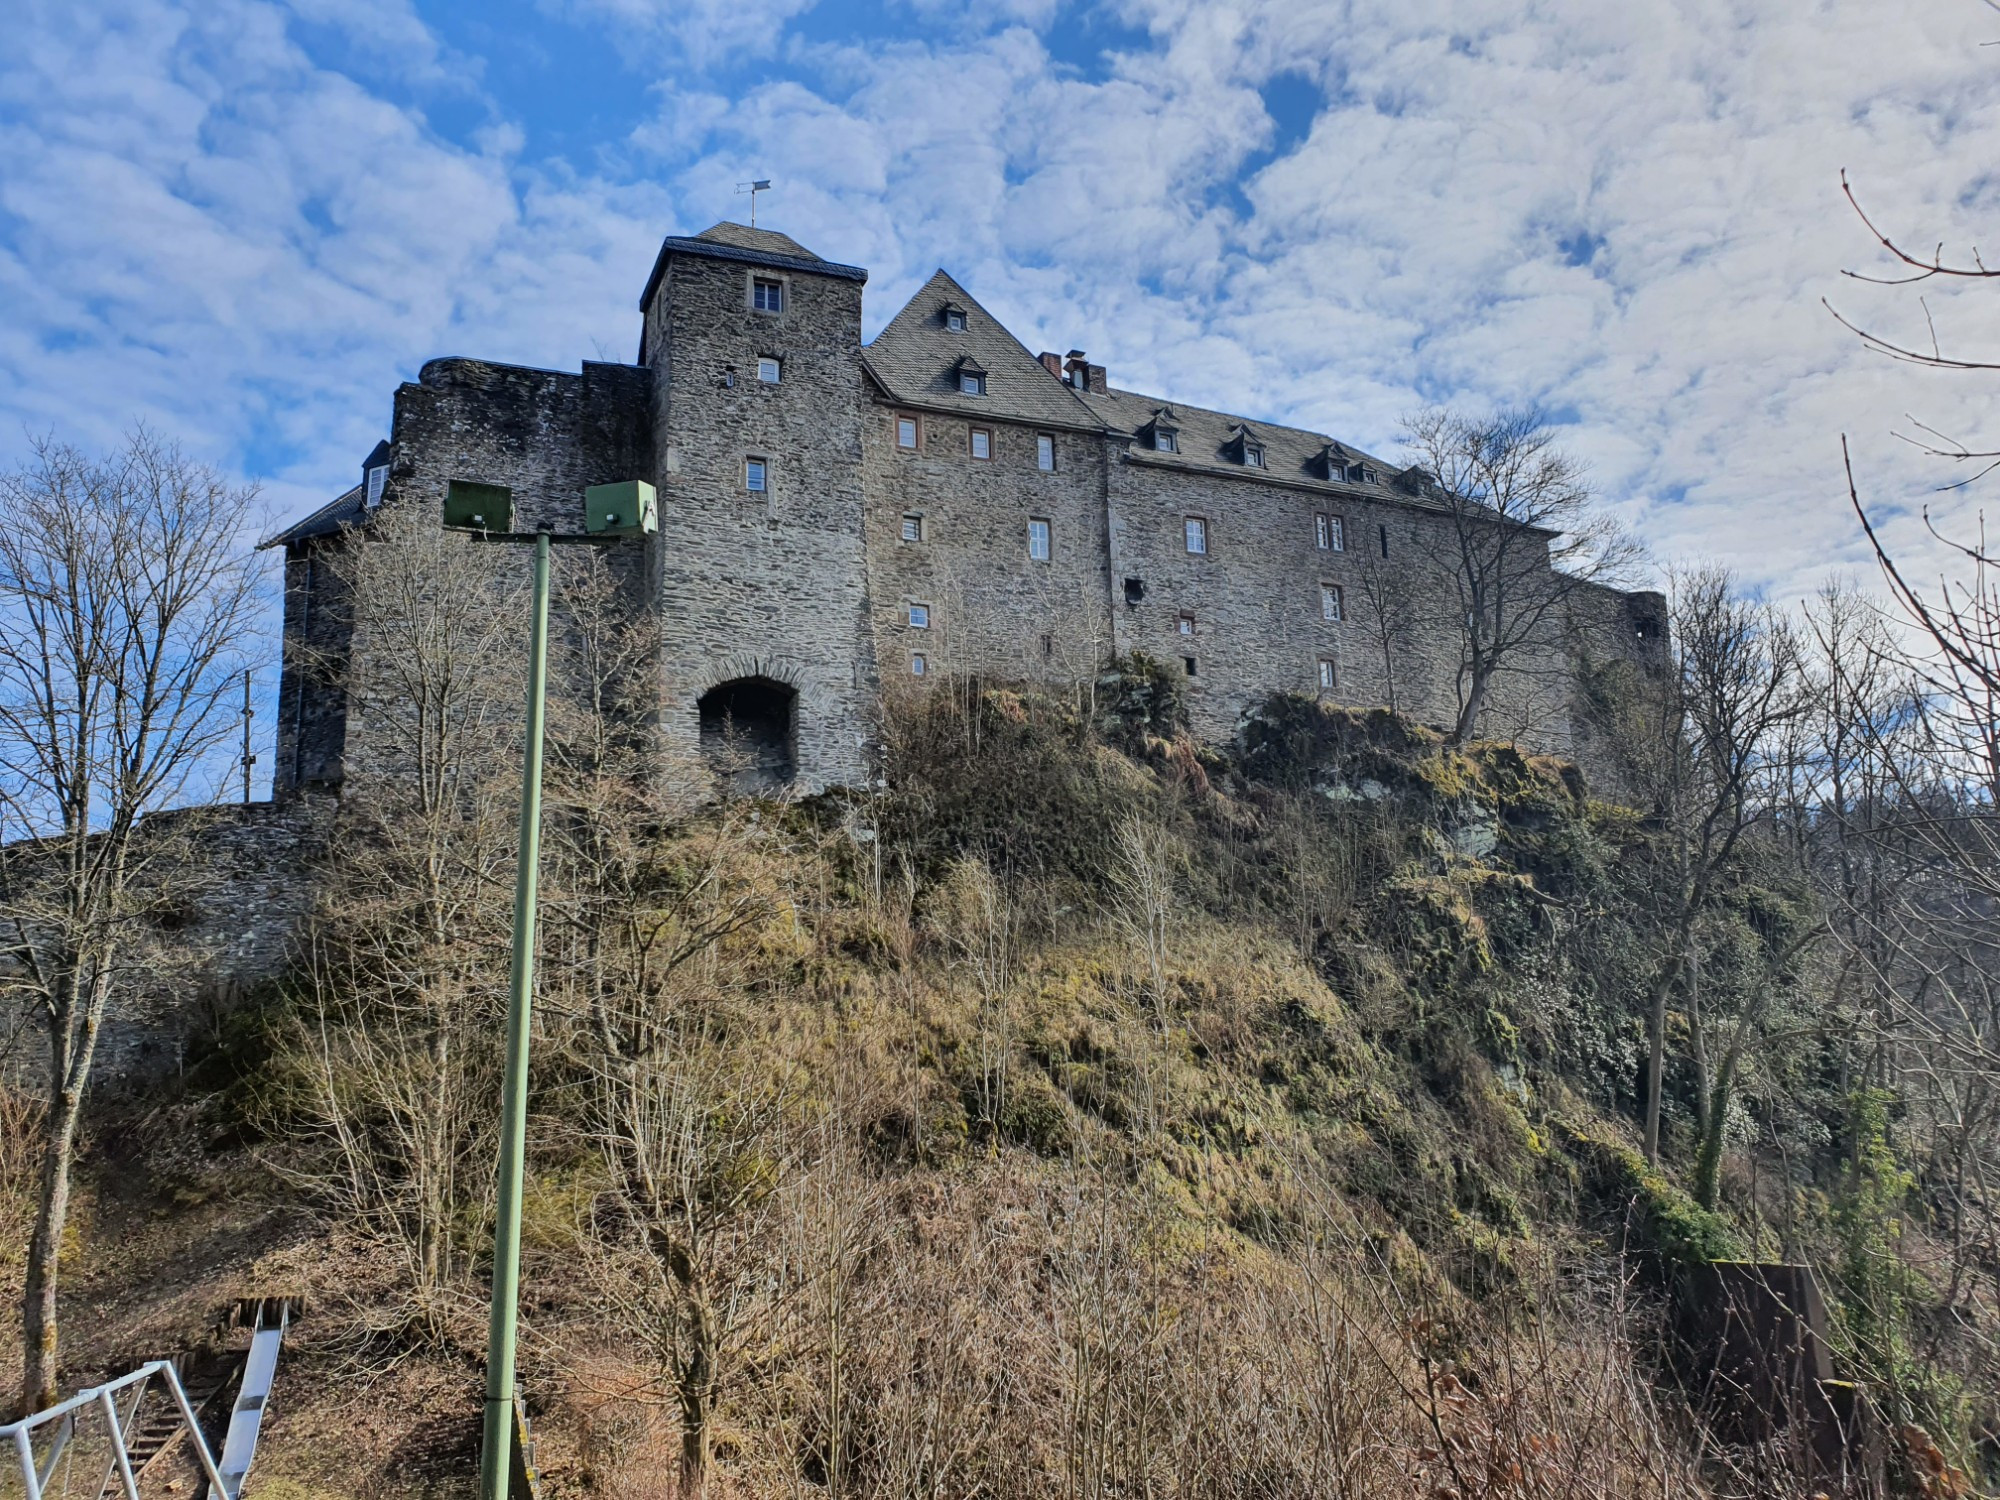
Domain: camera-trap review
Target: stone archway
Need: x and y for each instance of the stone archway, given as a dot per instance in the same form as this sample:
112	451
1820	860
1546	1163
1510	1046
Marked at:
749	732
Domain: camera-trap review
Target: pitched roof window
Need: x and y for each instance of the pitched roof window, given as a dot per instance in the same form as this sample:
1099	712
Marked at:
1160	434
1244	448
954	317
971	378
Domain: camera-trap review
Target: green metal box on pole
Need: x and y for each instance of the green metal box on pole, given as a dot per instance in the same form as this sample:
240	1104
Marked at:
627	509
471	506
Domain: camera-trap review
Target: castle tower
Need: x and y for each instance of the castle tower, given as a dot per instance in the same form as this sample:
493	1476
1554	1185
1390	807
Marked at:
754	343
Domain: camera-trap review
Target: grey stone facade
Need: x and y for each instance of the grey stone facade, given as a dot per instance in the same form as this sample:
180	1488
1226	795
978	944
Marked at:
839	520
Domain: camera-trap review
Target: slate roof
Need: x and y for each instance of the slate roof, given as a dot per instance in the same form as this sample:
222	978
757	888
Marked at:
755	247
328	519
1291	454
916	358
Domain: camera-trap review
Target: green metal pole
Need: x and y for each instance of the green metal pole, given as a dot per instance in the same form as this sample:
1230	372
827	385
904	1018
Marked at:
497	1450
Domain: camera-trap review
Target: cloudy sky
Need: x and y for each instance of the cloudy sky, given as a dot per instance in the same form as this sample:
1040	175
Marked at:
244	221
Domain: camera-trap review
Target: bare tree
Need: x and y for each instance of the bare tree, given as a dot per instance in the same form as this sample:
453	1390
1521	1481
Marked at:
1393	613
1520	541
1709	774
127	601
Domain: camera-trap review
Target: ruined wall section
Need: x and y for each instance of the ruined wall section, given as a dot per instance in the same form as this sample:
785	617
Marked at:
244	879
993	608
762	585
545	434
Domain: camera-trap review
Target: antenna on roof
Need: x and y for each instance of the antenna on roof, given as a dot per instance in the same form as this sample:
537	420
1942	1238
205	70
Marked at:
761	185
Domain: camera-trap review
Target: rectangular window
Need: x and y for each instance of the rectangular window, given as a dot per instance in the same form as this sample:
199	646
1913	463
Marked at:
1045	450
378	481
1330	532
982	443
913	528
1329	602
906	433
955	321
1186	626
971	385
768	369
755	475
1254	457
917	665
920	617
1326	674
1188	662
1195	529
1163	442
1038	539
767	296
1384	531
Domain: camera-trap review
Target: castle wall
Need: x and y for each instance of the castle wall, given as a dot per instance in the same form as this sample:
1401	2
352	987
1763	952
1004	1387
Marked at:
994	609
771	585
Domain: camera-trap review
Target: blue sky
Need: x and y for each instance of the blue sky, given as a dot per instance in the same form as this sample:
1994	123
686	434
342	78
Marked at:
244	221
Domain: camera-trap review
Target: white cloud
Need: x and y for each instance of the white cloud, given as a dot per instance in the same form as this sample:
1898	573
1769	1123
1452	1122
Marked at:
204	225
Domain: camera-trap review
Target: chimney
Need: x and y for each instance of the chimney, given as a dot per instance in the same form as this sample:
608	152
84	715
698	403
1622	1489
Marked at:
1080	374
1053	362
1094	378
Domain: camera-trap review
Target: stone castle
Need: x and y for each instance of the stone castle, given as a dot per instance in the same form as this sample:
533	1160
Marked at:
837	519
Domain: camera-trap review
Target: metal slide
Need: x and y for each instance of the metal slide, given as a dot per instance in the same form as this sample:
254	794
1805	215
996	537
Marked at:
135	1434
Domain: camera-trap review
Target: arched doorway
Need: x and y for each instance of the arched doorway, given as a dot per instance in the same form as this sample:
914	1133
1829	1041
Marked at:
749	731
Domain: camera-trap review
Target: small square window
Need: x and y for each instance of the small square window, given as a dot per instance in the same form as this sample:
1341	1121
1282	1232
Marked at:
1329	602
767	295
918	666
913	527
1327	678
1186	625
906	433
1195	530
970	384
1163	441
1038	539
920	617
768	369
1045	450
982	443
1254	457
955	321
755	475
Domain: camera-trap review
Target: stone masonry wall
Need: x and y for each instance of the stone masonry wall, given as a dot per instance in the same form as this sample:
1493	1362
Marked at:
771	585
994	610
251	870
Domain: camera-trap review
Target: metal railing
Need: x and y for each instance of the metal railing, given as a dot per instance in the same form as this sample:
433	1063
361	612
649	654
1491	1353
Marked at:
62	1418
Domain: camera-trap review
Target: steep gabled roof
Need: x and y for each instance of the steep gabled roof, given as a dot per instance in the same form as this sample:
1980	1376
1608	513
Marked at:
916	359
331	517
1204	439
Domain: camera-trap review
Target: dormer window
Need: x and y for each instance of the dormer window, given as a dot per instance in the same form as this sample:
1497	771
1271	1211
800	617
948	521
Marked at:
971	378
1244	448
1160	434
1163	440
954	317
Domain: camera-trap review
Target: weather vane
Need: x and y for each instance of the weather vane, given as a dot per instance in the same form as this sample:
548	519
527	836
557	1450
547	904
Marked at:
762	184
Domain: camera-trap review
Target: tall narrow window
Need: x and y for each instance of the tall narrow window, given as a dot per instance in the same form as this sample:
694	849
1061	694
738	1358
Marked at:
1326	674
982	443
1383	532
913	527
920	617
755	475
918	666
1195	529
378	481
767	296
1045	450
1329	601
1038	539
906	433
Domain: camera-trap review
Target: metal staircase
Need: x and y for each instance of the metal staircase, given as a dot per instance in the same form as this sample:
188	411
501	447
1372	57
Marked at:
131	1425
